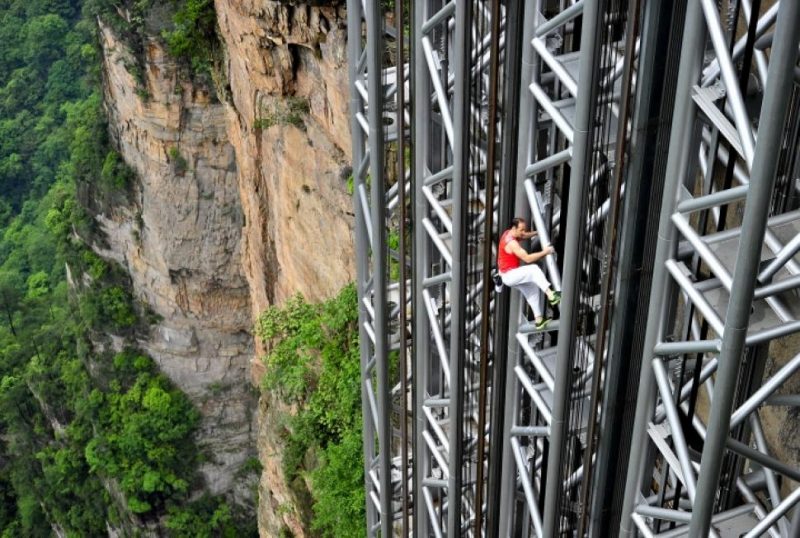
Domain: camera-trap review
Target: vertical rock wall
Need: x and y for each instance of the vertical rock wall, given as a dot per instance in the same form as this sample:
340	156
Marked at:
292	179
239	205
180	239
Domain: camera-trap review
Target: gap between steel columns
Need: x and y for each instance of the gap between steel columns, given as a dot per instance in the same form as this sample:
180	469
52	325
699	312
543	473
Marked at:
682	122
509	304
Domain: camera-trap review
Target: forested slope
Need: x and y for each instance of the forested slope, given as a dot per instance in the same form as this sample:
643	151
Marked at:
91	439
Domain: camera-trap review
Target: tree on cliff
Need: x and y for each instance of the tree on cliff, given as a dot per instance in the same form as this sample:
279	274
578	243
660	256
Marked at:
87	437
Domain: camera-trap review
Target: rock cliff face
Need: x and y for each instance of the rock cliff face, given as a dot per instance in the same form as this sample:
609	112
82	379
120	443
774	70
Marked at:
240	203
292	173
292	178
180	240
782	423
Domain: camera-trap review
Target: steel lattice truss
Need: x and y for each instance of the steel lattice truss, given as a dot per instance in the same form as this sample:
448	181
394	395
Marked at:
451	74
554	116
373	88
706	282
476	428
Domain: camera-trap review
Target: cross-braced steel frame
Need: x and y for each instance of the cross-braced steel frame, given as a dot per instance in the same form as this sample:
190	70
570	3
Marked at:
377	127
452	45
720	284
467	113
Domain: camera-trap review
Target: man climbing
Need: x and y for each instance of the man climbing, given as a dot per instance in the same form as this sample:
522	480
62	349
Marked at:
529	279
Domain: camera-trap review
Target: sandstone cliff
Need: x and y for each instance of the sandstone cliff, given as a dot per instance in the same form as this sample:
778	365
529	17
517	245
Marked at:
292	179
240	202
292	175
180	240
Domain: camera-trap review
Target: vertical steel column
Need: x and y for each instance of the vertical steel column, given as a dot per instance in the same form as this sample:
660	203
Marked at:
458	289
421	324
374	21
368	132
680	138
379	273
783	60
579	179
362	262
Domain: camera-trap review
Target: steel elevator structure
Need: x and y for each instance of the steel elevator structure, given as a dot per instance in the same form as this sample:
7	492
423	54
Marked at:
655	146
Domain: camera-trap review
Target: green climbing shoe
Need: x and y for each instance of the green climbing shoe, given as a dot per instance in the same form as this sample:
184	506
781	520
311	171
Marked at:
555	298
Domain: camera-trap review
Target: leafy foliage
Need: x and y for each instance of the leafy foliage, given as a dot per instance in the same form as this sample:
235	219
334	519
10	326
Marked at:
44	48
144	436
290	111
194	37
313	363
190	35
207	517
85	435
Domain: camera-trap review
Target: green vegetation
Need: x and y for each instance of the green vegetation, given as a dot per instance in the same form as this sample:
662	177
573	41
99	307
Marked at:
290	111
313	364
143	438
88	436
179	162
188	28
194	37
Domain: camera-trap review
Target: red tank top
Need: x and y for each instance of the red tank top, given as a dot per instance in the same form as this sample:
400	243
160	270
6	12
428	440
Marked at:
506	261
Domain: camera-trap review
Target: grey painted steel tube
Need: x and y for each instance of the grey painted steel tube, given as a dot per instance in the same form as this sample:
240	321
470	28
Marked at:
714	199
782	61
787	503
530	496
780	285
788	400
764	23
362	264
769	476
570	13
680	138
679	441
379	275
795	529
548	162
543	234
663	513
421	326
763	459
459	266
734	94
572	256
786	253
681	348
438	17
